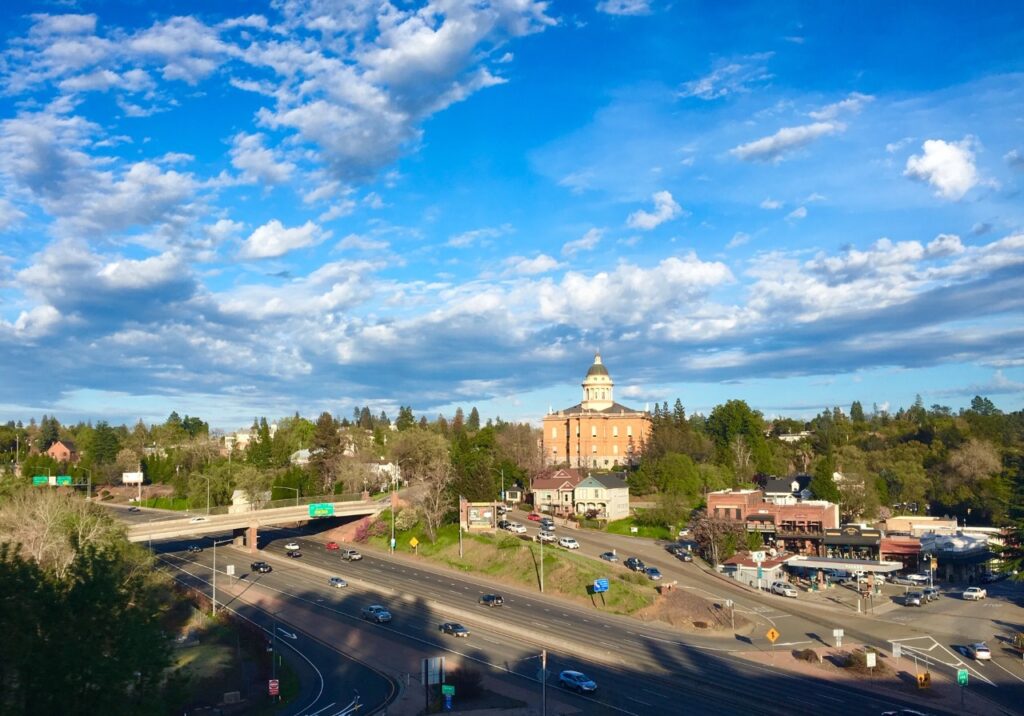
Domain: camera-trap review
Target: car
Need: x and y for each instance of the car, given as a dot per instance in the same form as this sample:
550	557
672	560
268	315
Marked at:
197	520
685	532
975	593
455	629
919	578
635	563
331	546
337	582
546	537
863	577
653	573
568	543
674	548
784	589
261	567
533	517
376	613
685	556
577	681
194	548
133	508
609	557
979	651
930	593
502	510
492	600
293	553
516	528
503	524
351	555
913	599
292	545
993	577
548	525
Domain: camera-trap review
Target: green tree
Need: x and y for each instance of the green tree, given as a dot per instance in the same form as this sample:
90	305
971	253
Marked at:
822	485
857	412
325	452
260	451
105	445
473	424
405	419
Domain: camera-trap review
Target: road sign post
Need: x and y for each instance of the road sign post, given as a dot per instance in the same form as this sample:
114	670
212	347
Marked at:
273	687
838	634
961	679
732	612
321	509
772	636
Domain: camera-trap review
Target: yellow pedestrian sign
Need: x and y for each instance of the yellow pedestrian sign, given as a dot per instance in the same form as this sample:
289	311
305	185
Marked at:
772	635
413	542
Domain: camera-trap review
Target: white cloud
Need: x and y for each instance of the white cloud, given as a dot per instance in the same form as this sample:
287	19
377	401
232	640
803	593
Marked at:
469	238
273	239
729	78
853	104
771	204
68	24
37	322
798	213
190	50
738	239
522	266
585	243
624	7
665	209
893	147
362	243
947	166
944	245
1015	158
785	140
10	215
258	163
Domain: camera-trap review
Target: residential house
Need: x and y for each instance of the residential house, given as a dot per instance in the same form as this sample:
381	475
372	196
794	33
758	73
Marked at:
553	493
63	451
606	494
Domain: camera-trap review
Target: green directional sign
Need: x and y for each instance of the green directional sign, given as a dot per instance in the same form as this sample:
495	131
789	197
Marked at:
961	677
40	480
321	509
447	689
63	480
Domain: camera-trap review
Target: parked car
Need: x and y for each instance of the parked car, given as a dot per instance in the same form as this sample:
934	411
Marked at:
653	573
194	548
863	577
979	652
577	681
930	593
455	629
261	567
975	593
784	589
292	545
492	600
685	556
351	555
533	517
516	528
685	532
635	563
376	613
993	577
502	510
133	508
332	546
609	557
293	553
547	524
337	582
918	578
503	524
568	543
547	537
913	599
196	520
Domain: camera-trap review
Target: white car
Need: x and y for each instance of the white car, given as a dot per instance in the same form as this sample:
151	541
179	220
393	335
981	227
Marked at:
337	582
516	528
979	651
918	578
568	543
546	537
975	593
292	545
784	589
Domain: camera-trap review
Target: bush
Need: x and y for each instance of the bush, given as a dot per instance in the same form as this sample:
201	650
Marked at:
807	655
468	682
406	519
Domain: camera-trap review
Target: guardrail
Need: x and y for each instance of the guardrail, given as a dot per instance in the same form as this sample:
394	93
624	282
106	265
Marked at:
285	502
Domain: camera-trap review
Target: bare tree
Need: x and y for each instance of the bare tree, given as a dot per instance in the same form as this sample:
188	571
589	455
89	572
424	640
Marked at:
435	498
742	452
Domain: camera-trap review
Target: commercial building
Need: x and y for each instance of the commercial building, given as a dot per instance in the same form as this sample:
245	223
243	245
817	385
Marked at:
797	527
597	432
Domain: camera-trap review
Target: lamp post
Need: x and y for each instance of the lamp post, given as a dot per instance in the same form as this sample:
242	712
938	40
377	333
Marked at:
285	487
207	493
227	541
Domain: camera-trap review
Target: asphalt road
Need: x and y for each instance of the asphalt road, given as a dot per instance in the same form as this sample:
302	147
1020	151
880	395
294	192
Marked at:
637	666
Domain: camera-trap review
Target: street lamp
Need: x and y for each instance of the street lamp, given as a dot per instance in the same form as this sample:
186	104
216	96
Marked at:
215	543
285	487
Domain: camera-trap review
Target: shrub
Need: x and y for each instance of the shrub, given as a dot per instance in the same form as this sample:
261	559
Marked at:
406	519
807	655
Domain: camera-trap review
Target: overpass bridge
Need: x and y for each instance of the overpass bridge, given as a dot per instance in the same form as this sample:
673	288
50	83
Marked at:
250	521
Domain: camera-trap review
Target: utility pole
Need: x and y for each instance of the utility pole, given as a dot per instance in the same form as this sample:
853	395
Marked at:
542	568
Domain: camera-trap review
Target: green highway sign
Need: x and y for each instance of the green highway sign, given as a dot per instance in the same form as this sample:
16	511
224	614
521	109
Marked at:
64	480
321	509
40	480
447	690
961	677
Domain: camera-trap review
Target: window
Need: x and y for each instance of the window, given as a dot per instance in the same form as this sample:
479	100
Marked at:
594	450
629	430
615	431
554	432
593	431
615	450
737	513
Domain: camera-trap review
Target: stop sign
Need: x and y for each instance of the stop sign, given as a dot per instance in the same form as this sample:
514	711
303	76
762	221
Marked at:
272	687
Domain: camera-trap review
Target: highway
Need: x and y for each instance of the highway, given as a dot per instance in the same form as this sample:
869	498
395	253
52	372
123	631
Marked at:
637	666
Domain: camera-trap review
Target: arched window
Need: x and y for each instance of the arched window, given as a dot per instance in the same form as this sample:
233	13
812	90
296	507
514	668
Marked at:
615	431
593	431
629	430
554	432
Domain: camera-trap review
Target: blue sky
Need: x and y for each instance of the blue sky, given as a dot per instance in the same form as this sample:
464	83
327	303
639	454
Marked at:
238	208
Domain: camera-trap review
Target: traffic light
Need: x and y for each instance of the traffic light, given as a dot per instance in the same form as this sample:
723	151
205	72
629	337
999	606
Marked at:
924	681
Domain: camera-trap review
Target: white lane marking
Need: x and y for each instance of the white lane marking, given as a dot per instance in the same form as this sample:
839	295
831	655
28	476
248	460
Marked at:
314	713
645	703
1007	671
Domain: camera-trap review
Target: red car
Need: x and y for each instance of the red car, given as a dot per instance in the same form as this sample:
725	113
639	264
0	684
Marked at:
332	545
533	516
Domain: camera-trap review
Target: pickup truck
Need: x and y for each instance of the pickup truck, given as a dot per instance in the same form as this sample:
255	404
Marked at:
350	555
975	593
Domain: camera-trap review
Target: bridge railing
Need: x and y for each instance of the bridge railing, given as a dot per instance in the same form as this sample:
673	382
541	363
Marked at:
284	502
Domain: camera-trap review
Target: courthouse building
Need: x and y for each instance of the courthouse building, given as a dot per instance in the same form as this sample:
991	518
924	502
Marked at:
597	432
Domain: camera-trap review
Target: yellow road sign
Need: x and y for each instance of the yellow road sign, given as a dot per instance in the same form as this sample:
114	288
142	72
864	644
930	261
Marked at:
413	542
772	635
924	680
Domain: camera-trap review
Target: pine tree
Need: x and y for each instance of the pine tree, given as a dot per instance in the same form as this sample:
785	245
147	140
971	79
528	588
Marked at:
474	420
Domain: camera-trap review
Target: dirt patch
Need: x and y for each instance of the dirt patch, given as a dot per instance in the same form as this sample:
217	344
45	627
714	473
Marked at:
685	610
